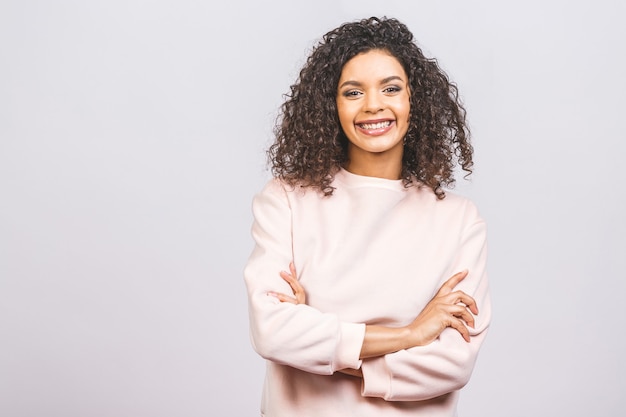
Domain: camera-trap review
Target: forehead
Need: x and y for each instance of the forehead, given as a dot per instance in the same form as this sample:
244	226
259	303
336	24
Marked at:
372	65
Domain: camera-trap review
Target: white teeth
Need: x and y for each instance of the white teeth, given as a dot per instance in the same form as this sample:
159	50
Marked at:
372	126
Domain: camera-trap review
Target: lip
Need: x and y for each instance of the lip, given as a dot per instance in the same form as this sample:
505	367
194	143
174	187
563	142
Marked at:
375	132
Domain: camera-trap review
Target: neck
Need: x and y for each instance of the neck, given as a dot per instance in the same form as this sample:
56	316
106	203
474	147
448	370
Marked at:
386	164
375	166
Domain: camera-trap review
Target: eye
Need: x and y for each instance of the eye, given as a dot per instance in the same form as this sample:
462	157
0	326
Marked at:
351	93
392	89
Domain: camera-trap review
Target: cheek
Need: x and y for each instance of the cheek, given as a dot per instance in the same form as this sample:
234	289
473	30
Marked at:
345	116
404	114
407	111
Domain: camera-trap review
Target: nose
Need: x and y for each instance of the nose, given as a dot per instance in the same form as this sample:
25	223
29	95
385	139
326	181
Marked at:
373	103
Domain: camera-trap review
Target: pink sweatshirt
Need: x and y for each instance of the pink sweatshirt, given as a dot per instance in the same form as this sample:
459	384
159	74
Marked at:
374	252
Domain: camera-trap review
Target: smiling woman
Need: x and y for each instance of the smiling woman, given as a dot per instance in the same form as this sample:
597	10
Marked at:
310	145
373	107
367	286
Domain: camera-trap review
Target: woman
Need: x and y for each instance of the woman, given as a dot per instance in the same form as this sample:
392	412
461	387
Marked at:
385	303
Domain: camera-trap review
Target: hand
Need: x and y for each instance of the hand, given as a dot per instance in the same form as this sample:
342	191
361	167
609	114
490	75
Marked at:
352	372
298	291
447	308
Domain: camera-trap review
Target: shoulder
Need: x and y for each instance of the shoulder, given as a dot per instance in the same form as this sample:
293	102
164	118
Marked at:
273	187
277	188
273	190
456	206
271	206
460	202
278	193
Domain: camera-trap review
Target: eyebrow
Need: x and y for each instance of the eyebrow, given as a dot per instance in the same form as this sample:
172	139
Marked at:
383	81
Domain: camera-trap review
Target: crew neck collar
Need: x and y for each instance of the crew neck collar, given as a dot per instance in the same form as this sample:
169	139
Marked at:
355	180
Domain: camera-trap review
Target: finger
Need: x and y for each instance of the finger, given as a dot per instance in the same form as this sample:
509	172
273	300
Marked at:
463	313
292	268
293	282
283	297
452	282
287	277
297	289
459	297
458	325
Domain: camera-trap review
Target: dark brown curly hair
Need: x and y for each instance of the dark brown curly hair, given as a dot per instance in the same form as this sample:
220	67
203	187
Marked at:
310	145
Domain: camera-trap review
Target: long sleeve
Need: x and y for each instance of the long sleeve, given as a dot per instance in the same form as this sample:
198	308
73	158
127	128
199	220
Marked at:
296	335
373	253
425	372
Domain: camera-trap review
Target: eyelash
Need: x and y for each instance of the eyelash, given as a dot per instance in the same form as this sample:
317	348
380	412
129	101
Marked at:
389	90
392	89
351	93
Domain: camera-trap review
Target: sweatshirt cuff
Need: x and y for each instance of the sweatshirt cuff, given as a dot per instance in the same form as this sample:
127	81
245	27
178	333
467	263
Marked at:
376	378
350	343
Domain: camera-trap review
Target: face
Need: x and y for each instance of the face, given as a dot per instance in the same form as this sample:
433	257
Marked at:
373	106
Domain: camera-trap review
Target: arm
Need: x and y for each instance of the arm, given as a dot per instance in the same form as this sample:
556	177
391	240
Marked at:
445	364
296	335
435	353
447	308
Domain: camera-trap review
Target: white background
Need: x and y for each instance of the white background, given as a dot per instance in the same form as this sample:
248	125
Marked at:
132	137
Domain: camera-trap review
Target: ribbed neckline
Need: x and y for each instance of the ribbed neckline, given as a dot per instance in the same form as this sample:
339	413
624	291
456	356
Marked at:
354	180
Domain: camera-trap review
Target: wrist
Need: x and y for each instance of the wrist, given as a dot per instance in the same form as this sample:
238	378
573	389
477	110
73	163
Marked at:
406	337
380	340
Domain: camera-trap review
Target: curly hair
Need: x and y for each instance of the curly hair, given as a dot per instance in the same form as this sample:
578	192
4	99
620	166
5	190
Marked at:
310	146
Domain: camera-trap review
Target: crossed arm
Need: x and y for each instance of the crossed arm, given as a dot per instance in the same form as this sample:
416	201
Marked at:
448	308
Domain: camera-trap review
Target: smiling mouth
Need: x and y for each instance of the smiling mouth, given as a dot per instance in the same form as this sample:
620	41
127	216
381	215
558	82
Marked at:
374	126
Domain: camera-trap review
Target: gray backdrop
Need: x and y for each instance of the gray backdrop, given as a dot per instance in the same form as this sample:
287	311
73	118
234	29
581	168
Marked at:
131	143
